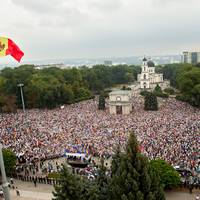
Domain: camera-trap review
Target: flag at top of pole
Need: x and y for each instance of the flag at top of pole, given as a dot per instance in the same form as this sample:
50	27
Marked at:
8	47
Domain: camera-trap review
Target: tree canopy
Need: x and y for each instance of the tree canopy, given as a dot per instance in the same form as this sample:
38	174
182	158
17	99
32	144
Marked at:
151	102
70	187
186	78
159	93
9	161
169	177
188	82
51	87
102	102
132	178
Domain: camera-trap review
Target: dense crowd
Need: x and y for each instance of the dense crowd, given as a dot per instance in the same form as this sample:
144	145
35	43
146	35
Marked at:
172	133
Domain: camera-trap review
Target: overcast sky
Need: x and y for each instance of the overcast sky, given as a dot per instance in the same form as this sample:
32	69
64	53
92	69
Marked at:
47	29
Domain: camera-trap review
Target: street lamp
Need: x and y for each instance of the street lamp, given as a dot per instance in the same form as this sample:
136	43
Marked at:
3	174
22	96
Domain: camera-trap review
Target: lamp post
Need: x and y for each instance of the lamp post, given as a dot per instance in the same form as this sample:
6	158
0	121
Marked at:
3	174
20	85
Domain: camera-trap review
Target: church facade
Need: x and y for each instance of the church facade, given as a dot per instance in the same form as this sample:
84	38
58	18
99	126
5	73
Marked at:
148	79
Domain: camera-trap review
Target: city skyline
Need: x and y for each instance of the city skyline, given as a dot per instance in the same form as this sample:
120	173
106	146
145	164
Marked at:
57	29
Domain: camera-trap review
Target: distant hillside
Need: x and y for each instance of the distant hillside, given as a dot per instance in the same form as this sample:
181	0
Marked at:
136	60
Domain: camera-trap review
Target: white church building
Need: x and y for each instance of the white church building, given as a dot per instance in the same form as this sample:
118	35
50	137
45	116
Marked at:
148	79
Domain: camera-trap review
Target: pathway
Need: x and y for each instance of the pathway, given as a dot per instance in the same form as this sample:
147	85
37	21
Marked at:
44	192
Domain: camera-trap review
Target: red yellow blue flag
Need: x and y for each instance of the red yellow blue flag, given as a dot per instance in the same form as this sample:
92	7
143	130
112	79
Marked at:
8	47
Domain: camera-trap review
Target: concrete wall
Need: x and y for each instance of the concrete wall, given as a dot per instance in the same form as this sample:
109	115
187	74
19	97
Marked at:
112	110
151	70
122	97
126	110
142	84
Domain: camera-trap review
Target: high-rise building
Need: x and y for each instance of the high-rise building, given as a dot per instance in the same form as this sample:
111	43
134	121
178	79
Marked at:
191	57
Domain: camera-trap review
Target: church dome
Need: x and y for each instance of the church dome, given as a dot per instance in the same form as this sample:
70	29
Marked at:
150	64
144	59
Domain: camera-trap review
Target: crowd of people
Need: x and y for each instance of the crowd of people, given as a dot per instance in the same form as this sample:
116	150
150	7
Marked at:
172	133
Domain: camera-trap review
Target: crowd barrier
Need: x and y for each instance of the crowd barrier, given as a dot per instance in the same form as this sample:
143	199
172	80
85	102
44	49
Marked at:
52	181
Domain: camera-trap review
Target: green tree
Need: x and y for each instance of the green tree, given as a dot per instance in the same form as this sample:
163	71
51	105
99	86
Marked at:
169	177
102	102
184	77
2	84
66	94
136	70
51	87
144	93
197	65
43	91
70	187
132	178
188	83
159	93
72	76
151	102
97	189
159	69
7	103
129	77
55	72
103	183
9	161
170	73
195	96
13	77
82	94
90	190
158	89
169	91
116	160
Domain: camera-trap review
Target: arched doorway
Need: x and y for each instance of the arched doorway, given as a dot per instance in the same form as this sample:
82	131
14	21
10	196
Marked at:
119	110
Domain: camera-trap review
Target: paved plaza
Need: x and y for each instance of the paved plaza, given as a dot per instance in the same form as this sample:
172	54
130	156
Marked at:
180	196
44	192
29	192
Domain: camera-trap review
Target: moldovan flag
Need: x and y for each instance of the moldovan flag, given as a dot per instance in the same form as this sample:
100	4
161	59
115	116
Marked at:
8	47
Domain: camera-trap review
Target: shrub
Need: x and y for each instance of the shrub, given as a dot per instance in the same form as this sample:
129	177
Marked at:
182	97
162	95
151	102
144	93
169	91
54	175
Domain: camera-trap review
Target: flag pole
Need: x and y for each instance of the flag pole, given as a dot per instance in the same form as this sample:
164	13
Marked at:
4	179
22	96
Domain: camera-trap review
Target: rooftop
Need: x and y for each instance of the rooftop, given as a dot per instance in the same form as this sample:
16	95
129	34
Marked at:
120	92
144	59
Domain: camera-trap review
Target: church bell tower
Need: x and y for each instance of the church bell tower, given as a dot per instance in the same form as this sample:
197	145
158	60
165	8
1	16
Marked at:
144	83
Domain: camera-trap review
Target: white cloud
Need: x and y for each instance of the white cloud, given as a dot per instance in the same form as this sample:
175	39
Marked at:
39	6
84	28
